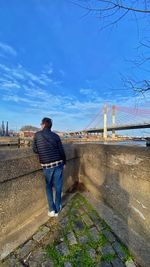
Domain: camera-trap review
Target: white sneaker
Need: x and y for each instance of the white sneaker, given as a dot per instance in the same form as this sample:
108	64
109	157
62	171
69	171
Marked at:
51	213
56	214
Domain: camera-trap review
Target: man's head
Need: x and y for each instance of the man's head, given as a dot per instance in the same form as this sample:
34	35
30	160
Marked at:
46	123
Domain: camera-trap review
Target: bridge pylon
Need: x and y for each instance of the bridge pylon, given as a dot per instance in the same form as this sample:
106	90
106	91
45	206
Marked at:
113	122
105	122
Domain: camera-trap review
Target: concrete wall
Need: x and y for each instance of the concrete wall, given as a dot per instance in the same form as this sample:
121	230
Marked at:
118	177
23	203
118	181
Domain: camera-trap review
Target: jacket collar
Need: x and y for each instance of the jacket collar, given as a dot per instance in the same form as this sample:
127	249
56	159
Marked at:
46	130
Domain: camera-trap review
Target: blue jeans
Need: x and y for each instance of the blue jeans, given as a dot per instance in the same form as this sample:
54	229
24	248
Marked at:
53	176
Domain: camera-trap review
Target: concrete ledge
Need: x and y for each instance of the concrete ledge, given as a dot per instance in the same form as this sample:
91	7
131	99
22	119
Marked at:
19	162
22	233
22	196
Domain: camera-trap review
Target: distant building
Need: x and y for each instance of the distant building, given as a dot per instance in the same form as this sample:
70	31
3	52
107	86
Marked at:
7	133
26	134
4	130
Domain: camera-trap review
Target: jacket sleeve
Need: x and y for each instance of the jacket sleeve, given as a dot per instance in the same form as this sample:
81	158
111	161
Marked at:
61	150
34	145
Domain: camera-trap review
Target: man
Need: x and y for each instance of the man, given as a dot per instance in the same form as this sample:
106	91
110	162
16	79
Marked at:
48	146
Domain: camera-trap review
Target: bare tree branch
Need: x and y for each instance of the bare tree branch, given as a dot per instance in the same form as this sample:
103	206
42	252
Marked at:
116	21
134	9
107	5
113	11
138	87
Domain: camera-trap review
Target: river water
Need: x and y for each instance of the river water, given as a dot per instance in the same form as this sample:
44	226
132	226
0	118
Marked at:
128	143
124	143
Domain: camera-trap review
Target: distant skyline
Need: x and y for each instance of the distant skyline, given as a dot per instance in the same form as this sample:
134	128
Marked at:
56	62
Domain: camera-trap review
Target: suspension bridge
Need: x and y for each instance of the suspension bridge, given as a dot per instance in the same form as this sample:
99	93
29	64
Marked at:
116	118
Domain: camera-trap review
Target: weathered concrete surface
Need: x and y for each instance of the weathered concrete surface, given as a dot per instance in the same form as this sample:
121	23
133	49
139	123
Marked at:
119	178
23	200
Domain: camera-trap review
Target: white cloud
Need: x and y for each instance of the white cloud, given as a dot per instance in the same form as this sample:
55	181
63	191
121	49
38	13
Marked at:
4	68
89	92
20	73
8	85
15	98
29	91
86	91
7	49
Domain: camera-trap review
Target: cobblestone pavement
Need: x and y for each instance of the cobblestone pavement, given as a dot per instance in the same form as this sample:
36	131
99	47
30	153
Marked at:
78	237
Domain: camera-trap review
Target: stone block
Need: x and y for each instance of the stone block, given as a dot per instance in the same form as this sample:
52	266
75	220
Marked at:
37	257
62	249
87	220
107	250
100	225
41	234
83	239
108	234
78	225
26	249
104	264
117	263
94	217
72	239
94	233
117	247
92	253
67	264
64	222
11	262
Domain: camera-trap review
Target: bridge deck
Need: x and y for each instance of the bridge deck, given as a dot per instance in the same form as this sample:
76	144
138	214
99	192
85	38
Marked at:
116	128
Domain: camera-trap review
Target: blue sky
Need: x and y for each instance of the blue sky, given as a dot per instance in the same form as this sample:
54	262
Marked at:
55	62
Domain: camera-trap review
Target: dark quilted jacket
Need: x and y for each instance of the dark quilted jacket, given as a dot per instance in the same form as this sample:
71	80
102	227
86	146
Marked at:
48	146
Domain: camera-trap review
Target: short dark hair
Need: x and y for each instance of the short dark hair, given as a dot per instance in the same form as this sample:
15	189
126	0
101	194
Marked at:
47	122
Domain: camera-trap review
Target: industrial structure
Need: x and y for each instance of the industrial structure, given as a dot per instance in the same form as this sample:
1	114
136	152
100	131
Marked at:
4	129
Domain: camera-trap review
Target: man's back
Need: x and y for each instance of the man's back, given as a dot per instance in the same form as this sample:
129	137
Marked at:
49	147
